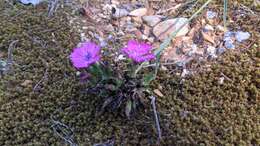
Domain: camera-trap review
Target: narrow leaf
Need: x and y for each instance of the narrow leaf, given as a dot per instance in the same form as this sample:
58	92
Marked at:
128	108
148	78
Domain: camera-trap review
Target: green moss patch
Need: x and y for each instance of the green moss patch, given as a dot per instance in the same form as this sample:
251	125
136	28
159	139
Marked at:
42	85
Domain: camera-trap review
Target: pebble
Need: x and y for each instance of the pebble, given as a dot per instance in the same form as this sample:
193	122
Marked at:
228	35
211	14
211	51
221	80
221	50
33	2
229	44
193	50
164	29
231	36
83	37
120	57
228	41
151	39
242	36
184	73
220	28
209	28
3	65
152	20
138	12
118	13
109	28
158	92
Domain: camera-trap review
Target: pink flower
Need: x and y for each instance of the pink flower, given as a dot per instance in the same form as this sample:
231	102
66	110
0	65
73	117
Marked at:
87	54
138	51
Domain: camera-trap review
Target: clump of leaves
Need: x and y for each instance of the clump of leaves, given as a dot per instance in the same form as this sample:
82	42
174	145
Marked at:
122	92
117	89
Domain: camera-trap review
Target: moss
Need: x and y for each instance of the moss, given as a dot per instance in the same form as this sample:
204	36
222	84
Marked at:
198	111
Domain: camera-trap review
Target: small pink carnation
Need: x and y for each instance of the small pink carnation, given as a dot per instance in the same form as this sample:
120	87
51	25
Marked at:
138	51
85	55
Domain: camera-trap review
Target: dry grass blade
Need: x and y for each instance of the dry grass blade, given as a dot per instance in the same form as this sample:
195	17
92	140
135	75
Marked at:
156	119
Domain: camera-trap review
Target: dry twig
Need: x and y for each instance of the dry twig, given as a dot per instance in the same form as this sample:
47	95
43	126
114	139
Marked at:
42	79
52	7
10	55
156	119
63	131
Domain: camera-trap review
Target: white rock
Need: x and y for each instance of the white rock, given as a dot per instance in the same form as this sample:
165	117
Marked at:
166	28
152	20
120	57
34	2
83	37
193	50
221	80
109	28
115	2
209	27
151	39
211	14
144	37
138	12
184	73
220	28
211	51
242	36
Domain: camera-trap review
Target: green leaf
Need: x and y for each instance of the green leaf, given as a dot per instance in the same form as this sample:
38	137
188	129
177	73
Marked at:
95	70
148	78
128	108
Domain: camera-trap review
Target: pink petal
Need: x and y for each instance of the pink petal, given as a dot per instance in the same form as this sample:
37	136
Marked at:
145	58
132	44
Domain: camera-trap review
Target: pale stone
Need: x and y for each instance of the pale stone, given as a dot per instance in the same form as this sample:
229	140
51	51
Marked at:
209	27
152	20
138	12
164	29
